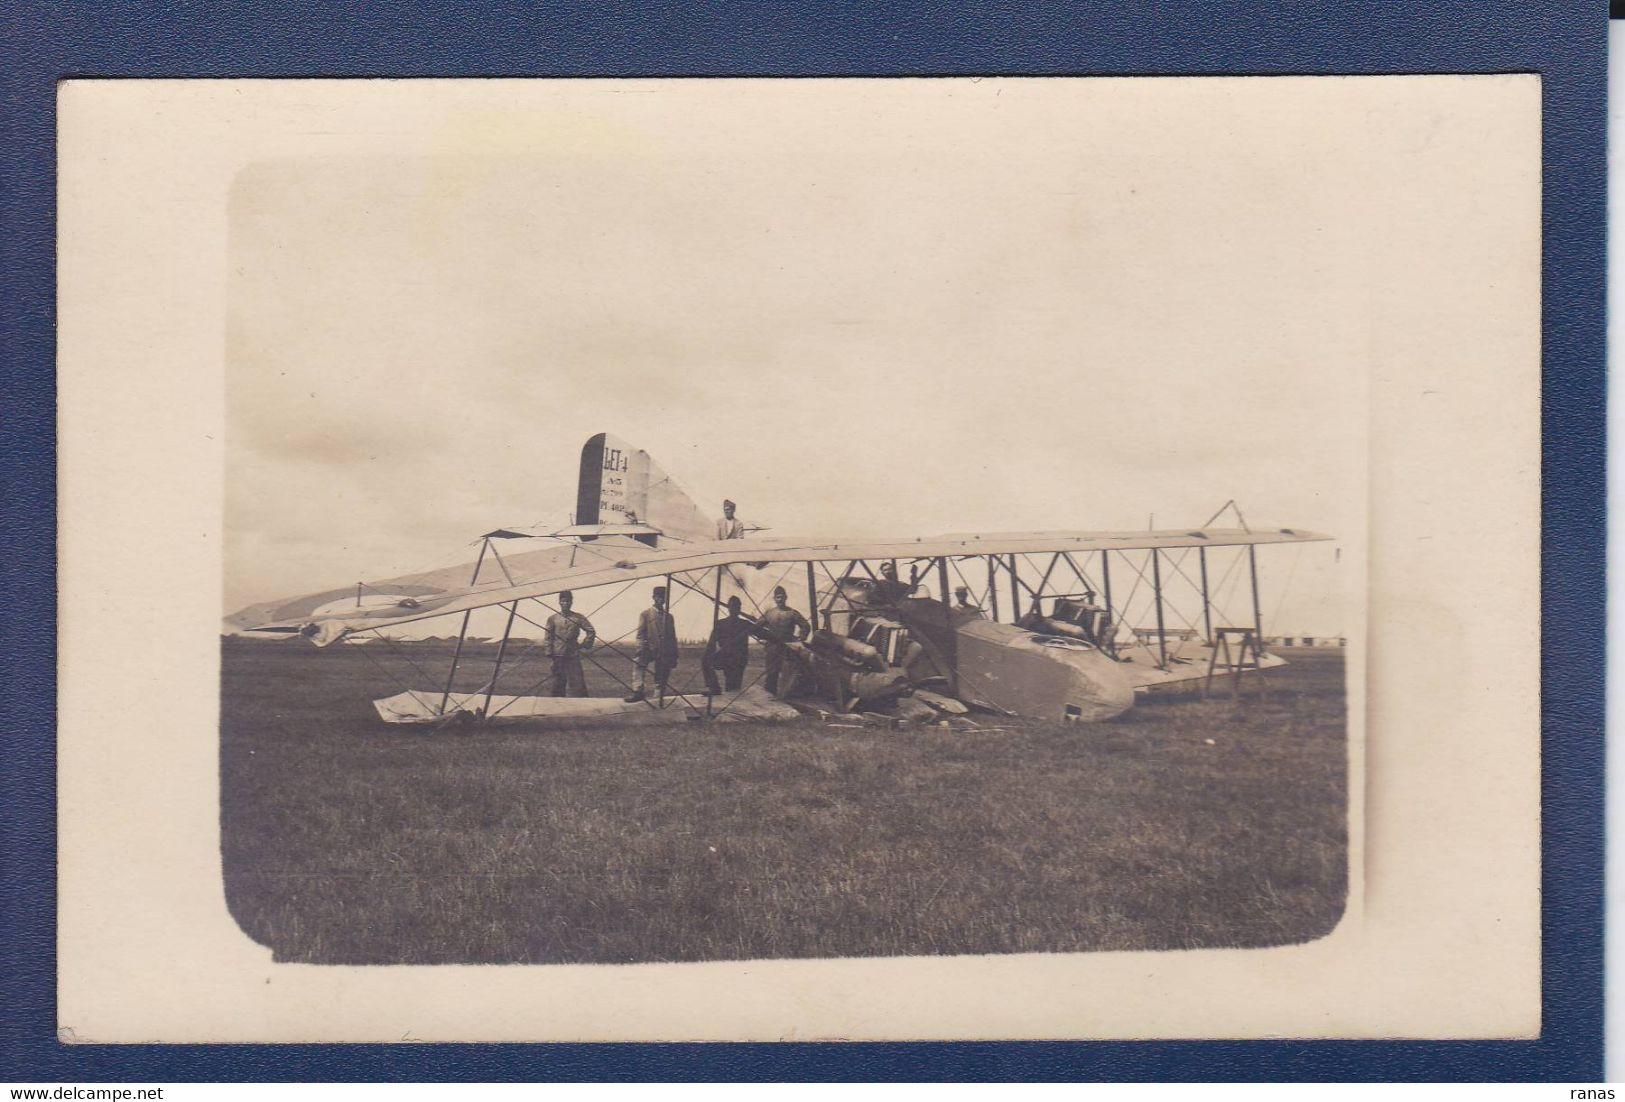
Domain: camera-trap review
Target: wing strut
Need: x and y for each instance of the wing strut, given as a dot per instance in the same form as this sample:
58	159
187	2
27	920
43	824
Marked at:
1156	584
1258	616
1044	581
502	649
1207	606
462	633
1015	590
1234	508
1106	584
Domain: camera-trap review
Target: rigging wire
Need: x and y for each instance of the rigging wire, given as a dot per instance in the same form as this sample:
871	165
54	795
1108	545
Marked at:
1287	587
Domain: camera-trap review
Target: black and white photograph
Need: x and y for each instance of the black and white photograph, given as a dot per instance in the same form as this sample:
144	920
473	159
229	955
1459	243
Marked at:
797	526
930	594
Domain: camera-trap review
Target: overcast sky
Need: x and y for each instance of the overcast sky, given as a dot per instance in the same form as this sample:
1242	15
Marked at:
854	307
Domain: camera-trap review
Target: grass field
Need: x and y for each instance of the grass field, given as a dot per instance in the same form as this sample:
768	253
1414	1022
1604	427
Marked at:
1183	824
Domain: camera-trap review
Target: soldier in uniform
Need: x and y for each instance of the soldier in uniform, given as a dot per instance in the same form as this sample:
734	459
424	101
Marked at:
657	647
568	634
888	590
728	650
730	527
962	600
779	626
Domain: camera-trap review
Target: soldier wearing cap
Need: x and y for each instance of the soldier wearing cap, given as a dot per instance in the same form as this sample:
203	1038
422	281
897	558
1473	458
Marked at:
730	527
962	600
657	647
779	626
568	634
728	651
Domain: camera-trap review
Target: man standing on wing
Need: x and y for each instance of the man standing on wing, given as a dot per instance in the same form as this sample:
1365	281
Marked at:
779	626
728	650
568	634
730	527
657	647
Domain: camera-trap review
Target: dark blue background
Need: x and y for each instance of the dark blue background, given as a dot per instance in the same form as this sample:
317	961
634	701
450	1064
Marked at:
1563	41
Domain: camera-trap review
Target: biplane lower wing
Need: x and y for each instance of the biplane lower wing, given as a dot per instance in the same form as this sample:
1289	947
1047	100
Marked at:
610	559
417	706
1189	663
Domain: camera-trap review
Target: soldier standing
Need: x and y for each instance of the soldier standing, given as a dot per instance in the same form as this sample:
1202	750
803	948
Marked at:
728	650
730	527
657	647
568	634
780	625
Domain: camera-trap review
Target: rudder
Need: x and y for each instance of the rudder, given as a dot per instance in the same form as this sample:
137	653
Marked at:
620	484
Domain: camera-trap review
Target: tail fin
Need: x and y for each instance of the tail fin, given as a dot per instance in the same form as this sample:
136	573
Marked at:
620	484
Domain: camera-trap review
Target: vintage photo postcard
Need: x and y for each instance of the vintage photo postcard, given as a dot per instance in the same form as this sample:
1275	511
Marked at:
800	559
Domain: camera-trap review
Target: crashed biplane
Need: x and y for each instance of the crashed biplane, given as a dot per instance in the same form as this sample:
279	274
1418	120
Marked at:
1066	625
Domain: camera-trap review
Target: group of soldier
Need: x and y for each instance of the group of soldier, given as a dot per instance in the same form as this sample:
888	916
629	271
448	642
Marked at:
727	653
569	634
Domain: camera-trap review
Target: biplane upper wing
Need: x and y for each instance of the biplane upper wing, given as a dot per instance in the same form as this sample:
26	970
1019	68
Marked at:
610	559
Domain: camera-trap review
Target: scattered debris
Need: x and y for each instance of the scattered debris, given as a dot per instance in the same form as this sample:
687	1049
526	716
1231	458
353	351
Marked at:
909	710
941	703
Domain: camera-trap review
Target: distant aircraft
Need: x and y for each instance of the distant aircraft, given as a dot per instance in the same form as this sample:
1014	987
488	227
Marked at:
875	641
